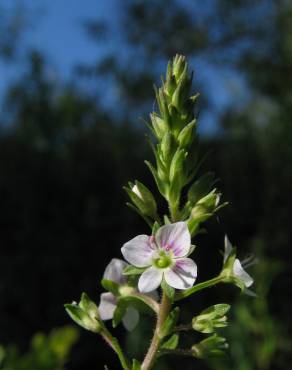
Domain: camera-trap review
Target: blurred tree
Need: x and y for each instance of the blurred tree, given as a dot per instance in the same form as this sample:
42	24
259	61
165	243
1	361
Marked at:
13	21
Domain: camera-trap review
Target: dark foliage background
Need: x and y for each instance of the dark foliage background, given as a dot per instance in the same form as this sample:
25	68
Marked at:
66	151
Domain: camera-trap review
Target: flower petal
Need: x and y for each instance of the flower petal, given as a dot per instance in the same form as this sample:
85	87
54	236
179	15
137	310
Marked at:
114	271
227	248
138	251
175	237
182	275
107	305
150	279
241	274
131	318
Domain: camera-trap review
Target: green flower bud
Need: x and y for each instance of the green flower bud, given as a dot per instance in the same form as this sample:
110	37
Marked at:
204	209
211	318
142	198
179	66
177	164
85	313
167	147
206	206
160	126
210	347
181	93
186	136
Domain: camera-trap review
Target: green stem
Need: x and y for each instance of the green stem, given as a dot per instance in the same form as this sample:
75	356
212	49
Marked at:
151	355
114	344
186	327
178	352
174	212
198	287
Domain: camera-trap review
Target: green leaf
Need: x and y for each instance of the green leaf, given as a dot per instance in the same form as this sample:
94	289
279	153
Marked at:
136	365
169	291
169	323
166	220
119	313
106	368
186	136
111	286
155	227
145	218
132	270
160	184
219	309
171	343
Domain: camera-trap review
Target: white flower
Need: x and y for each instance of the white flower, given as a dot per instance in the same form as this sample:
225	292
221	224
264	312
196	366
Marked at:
136	190
108	301
164	256
238	267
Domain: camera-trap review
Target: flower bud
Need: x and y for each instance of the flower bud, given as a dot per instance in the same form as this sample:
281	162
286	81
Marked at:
160	126
167	147
206	206
186	136
211	318
179	66
212	346
142	198
85	313
177	163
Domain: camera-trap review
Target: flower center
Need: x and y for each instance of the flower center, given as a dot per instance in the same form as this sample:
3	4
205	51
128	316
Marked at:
163	261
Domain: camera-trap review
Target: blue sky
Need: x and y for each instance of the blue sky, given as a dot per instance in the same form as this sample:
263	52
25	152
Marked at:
57	29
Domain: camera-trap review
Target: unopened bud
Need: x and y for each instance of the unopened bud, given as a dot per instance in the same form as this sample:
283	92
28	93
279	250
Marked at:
85	313
213	346
211	318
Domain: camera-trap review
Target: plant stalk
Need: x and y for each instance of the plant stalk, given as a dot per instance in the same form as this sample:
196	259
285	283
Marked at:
114	344
151	355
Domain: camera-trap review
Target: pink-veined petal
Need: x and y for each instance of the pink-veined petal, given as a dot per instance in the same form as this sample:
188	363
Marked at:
138	251
241	274
175	237
150	279
107	305
182	275
131	318
227	248
114	271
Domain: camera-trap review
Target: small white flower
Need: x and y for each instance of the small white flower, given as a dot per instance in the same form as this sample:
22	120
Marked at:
238	267
108	301
164	256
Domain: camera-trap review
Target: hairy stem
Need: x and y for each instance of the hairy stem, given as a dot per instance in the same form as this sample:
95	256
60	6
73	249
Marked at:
179	352
151	355
186	327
